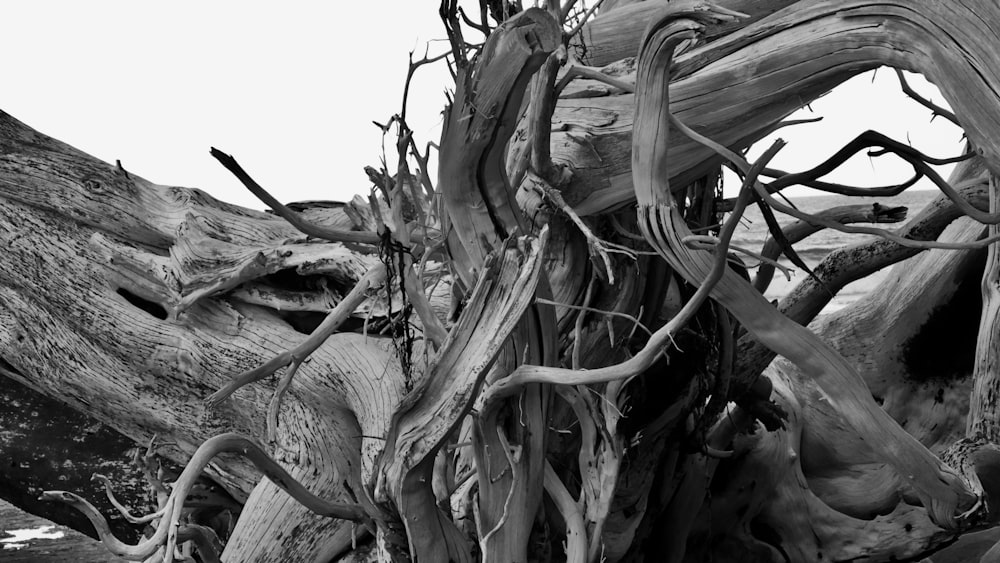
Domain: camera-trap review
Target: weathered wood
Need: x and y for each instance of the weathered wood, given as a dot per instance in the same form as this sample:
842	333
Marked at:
480	203
800	230
984	407
134	302
737	89
851	263
616	32
856	506
938	487
97	269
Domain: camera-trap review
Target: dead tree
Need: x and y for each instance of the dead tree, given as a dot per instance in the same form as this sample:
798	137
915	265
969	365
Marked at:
550	352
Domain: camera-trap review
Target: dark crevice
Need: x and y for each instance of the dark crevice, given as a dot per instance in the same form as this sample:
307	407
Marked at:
944	348
306	322
766	534
6	369
290	280
303	286
151	307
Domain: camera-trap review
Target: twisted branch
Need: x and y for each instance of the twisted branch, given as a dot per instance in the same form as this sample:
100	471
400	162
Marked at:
168	530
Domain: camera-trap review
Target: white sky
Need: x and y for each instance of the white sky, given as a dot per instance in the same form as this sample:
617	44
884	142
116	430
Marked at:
291	91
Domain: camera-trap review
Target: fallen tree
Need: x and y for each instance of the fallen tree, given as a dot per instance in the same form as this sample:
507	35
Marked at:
550	352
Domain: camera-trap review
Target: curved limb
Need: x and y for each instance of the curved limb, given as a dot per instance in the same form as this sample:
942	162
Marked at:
942	492
867	139
121	508
143	549
954	194
845	265
167	531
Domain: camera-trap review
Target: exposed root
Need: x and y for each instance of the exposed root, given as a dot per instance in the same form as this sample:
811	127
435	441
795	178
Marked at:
121	508
169	533
576	532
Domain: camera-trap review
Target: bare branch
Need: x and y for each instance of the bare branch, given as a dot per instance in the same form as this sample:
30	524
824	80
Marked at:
800	230
325	233
584	19
951	192
936	109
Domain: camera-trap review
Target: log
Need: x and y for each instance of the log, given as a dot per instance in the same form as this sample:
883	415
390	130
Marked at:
122	339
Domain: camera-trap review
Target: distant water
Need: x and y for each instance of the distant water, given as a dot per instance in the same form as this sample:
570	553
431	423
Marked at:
753	231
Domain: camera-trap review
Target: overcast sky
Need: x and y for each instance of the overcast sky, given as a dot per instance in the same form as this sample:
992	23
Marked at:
291	89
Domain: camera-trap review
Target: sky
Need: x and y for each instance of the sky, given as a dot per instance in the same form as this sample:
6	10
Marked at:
291	92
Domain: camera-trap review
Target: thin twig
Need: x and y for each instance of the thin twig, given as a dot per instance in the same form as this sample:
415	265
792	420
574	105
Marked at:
861	213
578	323
598	248
936	109
411	69
512	461
567	9
869	139
586	17
708	242
617	225
625	316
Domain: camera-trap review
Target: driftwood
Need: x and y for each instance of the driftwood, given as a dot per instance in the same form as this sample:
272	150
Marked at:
550	352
